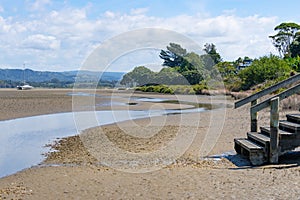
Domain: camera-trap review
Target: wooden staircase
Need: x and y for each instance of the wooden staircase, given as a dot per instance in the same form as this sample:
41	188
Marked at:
281	136
257	144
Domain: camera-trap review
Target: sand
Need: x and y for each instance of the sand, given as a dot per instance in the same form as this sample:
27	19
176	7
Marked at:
77	170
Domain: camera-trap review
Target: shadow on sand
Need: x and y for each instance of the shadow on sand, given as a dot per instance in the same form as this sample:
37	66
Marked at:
288	160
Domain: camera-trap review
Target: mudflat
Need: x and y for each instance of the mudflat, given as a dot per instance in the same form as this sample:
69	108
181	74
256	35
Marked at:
76	170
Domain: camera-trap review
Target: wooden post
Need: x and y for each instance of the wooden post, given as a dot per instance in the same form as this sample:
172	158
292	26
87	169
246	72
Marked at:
253	117
274	136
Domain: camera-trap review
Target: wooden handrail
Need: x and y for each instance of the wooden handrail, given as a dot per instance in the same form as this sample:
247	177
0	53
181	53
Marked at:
266	103
273	102
266	91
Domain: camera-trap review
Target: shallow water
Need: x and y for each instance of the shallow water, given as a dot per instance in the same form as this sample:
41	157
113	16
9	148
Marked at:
23	140
147	99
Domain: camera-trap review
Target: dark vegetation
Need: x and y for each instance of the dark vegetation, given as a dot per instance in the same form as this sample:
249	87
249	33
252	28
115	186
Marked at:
10	78
190	73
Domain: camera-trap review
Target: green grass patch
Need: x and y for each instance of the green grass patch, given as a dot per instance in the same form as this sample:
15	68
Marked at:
174	89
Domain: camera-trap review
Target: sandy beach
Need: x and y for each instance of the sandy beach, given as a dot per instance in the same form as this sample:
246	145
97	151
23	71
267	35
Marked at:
86	167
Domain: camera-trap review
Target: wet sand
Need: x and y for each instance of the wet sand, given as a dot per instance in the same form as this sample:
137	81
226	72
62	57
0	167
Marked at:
77	172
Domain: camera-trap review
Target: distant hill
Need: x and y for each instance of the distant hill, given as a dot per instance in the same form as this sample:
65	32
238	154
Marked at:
94	76
29	75
13	77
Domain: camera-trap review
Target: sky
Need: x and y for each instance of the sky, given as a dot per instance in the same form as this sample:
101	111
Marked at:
60	35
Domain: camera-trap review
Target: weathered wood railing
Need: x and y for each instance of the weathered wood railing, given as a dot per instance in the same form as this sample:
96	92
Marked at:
272	102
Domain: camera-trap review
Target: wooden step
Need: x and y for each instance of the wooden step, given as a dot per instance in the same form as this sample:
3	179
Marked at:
289	126
249	149
287	140
289	144
293	118
262	140
265	130
259	138
247	144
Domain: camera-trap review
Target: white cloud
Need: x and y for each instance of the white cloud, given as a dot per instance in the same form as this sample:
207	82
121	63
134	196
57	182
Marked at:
4	26
71	35
109	14
41	42
138	11
40	5
234	36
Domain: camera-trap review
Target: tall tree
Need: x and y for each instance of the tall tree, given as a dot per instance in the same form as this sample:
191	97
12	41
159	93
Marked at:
139	76
211	50
173	56
170	76
192	61
188	65
287	33
295	47
212	57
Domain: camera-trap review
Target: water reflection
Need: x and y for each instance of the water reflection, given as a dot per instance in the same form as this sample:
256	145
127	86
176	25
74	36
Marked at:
22	140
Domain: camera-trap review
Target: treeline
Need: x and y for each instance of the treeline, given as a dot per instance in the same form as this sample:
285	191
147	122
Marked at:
45	84
55	83
10	78
182	68
209	71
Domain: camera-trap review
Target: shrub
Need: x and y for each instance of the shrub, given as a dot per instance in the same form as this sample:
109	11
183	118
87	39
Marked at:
263	69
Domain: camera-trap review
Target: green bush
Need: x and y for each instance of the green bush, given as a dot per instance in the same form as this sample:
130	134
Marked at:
199	87
265	68
167	90
156	88
294	63
174	89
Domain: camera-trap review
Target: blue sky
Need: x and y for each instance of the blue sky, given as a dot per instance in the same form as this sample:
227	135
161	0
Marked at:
57	35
